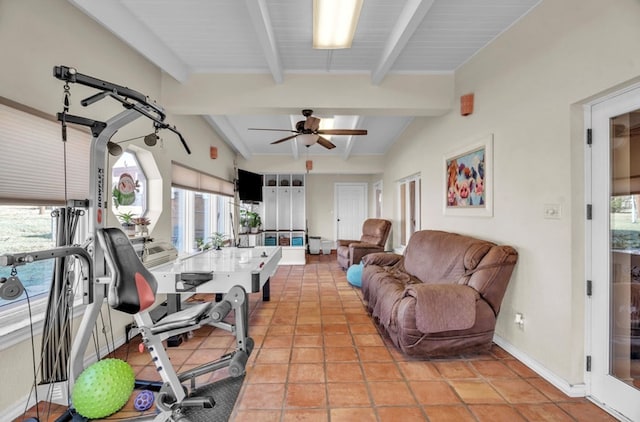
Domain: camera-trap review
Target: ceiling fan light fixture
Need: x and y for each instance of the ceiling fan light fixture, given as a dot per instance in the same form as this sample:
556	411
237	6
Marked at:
335	22
308	139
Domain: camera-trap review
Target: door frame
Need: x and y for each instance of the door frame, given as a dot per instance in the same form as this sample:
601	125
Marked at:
599	384
378	185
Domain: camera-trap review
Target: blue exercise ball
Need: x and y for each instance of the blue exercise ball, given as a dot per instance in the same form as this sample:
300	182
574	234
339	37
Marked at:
354	275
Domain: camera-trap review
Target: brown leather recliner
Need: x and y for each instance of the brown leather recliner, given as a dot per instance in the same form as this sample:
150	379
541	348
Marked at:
441	297
375	232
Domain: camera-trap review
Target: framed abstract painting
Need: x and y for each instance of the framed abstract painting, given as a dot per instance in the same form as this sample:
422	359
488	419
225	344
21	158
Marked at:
468	179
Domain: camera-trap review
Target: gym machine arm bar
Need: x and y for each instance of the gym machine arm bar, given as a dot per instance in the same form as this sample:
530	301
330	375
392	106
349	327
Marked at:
69	74
22	258
119	93
160	124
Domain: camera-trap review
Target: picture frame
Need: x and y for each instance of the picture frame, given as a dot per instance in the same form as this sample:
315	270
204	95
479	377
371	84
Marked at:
468	179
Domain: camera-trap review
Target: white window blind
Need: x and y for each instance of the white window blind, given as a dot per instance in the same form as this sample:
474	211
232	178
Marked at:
188	178
32	169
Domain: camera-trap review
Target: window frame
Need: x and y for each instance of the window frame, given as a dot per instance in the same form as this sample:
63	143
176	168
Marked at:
16	319
186	239
25	189
409	207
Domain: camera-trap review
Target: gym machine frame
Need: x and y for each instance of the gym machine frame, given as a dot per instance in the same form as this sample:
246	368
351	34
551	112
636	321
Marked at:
172	397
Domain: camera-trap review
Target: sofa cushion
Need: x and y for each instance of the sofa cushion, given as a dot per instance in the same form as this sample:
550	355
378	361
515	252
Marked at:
443	307
440	257
375	231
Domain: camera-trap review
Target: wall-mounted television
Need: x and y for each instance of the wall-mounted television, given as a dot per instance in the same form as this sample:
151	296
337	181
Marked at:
249	186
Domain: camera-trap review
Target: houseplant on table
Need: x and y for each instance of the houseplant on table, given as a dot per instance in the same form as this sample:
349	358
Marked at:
218	239
254	221
142	225
127	222
201	245
244	220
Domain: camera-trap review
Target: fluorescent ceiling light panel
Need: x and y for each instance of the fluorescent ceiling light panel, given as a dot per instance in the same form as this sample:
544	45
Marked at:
334	22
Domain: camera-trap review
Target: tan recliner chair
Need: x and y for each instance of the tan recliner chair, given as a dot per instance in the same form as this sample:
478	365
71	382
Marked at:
375	232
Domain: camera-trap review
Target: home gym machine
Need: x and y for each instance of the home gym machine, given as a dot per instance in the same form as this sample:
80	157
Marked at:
113	271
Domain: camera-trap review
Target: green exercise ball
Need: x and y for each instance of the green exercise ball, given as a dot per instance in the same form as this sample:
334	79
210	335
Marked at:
103	388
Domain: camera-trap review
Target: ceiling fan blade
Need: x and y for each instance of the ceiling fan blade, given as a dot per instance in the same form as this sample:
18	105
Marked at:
284	139
342	132
325	143
276	130
312	123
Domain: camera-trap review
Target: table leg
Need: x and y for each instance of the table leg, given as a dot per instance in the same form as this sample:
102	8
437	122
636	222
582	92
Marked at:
266	293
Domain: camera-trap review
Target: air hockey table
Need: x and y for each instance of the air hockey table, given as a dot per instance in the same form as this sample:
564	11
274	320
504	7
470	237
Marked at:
217	271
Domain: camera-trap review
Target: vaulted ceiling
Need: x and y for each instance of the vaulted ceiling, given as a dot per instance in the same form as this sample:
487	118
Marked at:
201	39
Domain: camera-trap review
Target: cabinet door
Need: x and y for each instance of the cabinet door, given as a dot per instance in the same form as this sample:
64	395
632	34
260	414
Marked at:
297	209
284	208
270	202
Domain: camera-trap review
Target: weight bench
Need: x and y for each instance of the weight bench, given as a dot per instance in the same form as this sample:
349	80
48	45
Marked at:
132	289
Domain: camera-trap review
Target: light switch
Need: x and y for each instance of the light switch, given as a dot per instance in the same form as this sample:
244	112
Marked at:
553	211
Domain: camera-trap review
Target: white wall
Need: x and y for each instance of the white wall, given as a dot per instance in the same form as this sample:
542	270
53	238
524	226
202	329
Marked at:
528	86
321	201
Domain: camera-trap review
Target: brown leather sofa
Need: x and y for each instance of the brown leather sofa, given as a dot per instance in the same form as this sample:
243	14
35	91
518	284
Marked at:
442	296
375	232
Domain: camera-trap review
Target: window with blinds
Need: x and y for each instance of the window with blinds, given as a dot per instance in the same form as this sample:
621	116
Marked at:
188	178
37	173
37	166
200	207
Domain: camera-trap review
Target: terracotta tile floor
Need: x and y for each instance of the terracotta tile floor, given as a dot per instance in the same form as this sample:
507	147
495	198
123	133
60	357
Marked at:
319	357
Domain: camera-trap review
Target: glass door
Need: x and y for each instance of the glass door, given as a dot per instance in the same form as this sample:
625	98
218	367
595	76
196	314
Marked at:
615	253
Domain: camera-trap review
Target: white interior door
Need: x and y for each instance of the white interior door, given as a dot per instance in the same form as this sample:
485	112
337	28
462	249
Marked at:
615	253
350	209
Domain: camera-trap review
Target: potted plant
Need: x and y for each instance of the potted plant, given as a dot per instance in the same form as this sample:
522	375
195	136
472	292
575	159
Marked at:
244	220
254	221
201	245
142	225
218	239
127	222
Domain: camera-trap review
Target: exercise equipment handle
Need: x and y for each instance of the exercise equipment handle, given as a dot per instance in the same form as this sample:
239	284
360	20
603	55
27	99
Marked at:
69	74
221	310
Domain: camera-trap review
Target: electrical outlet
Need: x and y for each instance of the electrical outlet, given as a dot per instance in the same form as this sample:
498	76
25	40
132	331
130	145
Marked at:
519	320
553	211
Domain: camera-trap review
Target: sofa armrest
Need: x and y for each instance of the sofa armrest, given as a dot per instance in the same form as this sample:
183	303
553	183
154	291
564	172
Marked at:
359	250
443	307
345	242
370	246
382	259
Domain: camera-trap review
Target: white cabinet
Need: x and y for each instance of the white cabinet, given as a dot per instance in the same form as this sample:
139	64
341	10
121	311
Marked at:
284	215
284	208
270	205
298	217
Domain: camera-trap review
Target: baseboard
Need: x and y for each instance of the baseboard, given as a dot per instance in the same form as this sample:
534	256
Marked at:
18	408
571	390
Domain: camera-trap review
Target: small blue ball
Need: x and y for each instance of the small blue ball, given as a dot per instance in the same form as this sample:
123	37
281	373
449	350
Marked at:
143	401
354	275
